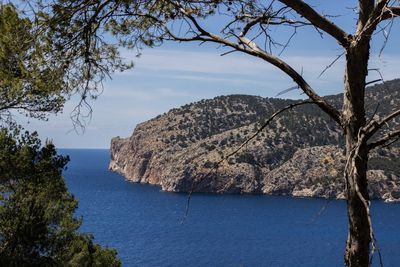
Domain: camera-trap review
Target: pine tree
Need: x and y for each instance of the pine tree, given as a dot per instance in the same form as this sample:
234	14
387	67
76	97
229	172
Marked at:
37	223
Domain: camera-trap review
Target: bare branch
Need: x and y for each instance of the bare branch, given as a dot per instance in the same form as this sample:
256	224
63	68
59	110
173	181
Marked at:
252	49
318	20
217	164
388	138
373	81
390	12
287	90
270	119
373	114
331	64
380	13
375	125
386	30
249	47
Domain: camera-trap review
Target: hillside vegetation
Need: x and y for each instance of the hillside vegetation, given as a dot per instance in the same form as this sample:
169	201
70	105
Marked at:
298	154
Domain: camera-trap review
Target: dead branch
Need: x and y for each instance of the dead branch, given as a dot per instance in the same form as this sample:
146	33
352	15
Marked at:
371	128
390	12
224	158
388	138
373	81
380	13
287	90
247	46
374	113
270	119
318	20
331	64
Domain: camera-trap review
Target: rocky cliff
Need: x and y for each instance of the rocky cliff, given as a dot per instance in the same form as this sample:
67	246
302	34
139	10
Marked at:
299	154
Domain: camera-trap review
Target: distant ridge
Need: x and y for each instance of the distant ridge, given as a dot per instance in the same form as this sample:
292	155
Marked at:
298	154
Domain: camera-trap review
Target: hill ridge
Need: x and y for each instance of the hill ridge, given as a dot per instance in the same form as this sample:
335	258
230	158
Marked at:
177	149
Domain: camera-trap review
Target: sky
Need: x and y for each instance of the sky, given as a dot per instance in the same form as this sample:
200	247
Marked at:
175	74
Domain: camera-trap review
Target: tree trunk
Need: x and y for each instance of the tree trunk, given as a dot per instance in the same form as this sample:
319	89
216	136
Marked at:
358	242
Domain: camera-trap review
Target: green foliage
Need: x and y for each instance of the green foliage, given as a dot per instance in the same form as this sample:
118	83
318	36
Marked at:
31	82
37	226
76	32
50	55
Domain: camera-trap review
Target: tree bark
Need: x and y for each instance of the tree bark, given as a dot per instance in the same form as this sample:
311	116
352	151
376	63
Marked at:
359	236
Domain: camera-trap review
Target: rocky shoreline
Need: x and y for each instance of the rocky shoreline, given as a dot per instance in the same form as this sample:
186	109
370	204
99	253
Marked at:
298	155
313	172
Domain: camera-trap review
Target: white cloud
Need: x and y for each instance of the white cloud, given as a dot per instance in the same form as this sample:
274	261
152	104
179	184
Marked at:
163	79
145	94
243	70
156	60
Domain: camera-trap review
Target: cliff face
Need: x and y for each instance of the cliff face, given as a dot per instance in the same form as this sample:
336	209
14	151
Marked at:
299	154
318	172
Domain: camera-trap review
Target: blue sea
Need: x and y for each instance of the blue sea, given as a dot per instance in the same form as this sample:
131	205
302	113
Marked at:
147	226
